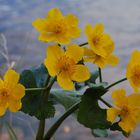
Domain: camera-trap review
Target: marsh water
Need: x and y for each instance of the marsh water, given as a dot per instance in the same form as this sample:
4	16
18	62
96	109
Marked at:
122	21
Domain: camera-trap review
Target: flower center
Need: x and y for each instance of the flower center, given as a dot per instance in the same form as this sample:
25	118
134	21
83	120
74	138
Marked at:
65	64
60	27
3	93
96	40
125	111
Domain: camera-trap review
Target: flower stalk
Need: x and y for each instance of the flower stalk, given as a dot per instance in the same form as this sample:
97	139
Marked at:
56	125
41	128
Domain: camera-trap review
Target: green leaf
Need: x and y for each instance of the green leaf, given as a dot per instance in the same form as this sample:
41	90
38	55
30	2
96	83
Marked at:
90	114
41	74
65	98
99	132
35	103
11	132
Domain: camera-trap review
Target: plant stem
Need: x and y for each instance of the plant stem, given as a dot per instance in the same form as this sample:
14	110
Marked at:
34	89
100	75
55	126
51	84
40	133
106	103
83	44
41	128
124	79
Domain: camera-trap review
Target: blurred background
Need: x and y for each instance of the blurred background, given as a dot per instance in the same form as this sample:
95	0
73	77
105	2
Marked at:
122	21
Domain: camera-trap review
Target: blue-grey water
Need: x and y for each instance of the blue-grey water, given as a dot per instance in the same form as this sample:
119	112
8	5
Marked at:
121	19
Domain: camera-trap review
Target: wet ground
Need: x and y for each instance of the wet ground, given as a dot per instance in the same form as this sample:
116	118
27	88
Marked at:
121	19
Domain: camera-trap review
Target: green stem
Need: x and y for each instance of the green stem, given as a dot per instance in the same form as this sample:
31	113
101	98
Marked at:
34	89
124	79
40	133
47	81
41	128
106	103
83	44
100	75
51	84
55	126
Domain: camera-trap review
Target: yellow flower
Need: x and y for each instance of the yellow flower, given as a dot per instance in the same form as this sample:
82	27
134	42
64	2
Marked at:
101	47
133	70
56	27
127	108
64	65
11	92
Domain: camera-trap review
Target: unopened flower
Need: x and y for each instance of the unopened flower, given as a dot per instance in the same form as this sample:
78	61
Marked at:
127	108
64	65
57	28
11	92
133	70
101	47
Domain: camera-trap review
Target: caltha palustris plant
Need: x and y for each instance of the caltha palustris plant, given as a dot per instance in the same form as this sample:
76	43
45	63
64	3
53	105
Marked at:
32	91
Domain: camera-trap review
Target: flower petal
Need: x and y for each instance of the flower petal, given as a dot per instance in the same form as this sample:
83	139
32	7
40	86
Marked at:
134	100
40	24
11	77
127	124
54	53
46	37
98	29
135	56
89	55
3	109
119	97
71	19
89	31
18	92
81	73
76	52
64	81
55	13
100	61
112	113
112	60
14	105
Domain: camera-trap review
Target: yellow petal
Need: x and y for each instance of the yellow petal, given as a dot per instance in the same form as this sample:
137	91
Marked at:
98	29
100	61
135	56
89	55
74	32
64	81
112	113
54	13
46	37
127	124
119	98
134	100
112	60
1	83
40	24
3	110
76	52
62	39
81	73
18	92
14	105
11	77
71	19
54	53
89	31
